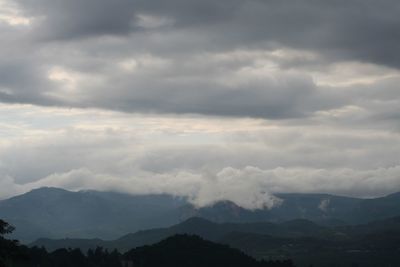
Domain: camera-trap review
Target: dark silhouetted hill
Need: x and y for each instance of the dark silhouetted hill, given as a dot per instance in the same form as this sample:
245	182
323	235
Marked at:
193	251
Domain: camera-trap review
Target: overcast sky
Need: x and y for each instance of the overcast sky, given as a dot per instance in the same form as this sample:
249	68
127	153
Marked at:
228	99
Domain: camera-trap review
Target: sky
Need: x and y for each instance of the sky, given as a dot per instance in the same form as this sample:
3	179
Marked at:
212	100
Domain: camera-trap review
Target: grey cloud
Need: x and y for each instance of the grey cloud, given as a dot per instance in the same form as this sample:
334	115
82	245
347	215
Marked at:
341	30
378	104
121	153
73	19
70	149
168	85
330	31
25	84
77	19
252	59
287	148
267	98
241	163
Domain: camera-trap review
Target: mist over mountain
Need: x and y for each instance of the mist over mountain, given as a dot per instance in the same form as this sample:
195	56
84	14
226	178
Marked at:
57	213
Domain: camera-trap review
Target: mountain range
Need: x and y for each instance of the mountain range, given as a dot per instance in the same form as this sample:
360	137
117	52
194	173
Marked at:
303	241
57	213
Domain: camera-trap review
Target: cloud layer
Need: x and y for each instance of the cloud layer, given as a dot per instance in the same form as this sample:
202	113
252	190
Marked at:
212	100
234	58
204	159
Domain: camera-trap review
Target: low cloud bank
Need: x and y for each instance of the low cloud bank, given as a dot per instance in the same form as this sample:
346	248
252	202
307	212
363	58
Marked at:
250	187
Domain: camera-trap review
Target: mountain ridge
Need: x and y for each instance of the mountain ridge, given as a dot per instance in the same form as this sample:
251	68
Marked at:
291	230
368	244
58	213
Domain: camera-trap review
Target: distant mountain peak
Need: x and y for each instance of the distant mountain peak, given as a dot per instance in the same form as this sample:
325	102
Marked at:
394	195
48	190
197	220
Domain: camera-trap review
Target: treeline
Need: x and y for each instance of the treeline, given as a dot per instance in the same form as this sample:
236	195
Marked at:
33	257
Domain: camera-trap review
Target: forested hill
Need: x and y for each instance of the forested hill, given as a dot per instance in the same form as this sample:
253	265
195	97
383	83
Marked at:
193	251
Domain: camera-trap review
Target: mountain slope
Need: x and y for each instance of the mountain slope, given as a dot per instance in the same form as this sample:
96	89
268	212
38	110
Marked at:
57	213
321	208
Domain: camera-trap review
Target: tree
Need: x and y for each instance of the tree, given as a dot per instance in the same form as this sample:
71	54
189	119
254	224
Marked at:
5	228
9	249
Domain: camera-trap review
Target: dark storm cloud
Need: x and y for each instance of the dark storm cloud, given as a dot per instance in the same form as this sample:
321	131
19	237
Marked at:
362	30
76	19
82	43
264	98
21	82
170	89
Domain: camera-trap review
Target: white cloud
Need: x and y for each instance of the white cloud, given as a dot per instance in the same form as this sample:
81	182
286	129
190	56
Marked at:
11	14
249	187
243	160
151	22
